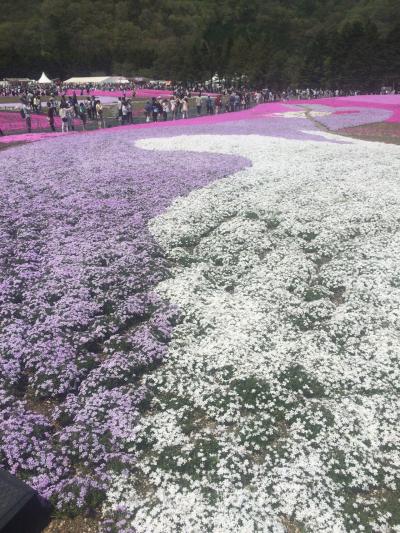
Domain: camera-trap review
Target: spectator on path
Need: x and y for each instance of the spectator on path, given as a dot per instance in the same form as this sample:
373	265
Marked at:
147	110
75	104
119	108
37	104
218	104
198	104
179	102
124	111
63	116
185	107
173	107
165	109
88	108
27	115
209	105
155	110
99	114
50	116
70	114
93	107
83	114
232	99
129	106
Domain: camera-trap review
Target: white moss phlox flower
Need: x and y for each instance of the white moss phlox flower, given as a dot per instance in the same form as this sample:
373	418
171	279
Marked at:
279	405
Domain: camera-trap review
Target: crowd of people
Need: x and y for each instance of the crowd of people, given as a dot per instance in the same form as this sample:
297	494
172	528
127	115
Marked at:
67	108
178	105
88	108
187	89
54	102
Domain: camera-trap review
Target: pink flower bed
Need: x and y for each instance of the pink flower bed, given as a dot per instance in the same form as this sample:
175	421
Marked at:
14	122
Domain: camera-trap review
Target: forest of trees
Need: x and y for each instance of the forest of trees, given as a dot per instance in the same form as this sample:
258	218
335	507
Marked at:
276	43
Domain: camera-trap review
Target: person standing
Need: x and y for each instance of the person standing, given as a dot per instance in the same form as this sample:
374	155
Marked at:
88	108
99	114
232	102
119	115
237	102
147	110
124	111
198	104
165	109
50	116
218	104
185	107
155	110
75	104
82	114
130	111
70	114
93	107
172	104
27	110
63	116
37	103
209	105
179	102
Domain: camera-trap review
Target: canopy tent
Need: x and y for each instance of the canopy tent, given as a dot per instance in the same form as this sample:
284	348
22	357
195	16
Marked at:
97	79
44	79
18	81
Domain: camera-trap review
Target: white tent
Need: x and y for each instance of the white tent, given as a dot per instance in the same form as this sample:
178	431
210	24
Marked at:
97	79
44	79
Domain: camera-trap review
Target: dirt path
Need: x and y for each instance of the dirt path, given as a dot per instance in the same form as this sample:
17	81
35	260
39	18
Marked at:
4	146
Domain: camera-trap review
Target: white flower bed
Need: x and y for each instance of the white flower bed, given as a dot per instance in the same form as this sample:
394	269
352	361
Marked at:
279	405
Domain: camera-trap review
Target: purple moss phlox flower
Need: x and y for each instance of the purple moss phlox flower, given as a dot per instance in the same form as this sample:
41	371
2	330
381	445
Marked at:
79	320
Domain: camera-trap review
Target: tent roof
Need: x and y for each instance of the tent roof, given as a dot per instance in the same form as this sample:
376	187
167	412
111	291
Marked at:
18	79
44	79
98	79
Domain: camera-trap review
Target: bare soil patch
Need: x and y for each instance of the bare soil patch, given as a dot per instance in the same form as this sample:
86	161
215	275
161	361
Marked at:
386	132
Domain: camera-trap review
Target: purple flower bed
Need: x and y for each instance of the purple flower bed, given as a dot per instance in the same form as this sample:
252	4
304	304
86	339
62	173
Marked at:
79	321
348	117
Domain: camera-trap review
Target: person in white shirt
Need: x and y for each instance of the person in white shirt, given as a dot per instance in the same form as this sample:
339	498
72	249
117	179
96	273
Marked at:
185	107
198	104
165	109
64	120
27	111
172	104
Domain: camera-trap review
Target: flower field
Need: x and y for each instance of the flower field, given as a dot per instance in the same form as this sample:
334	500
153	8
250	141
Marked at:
10	121
354	111
200	324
